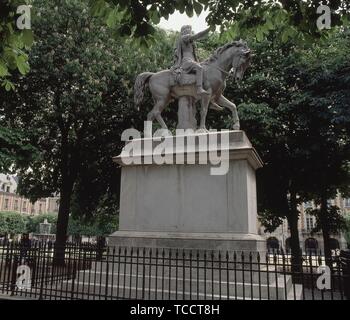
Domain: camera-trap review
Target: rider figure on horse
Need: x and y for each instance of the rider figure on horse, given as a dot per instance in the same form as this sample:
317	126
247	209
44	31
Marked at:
186	58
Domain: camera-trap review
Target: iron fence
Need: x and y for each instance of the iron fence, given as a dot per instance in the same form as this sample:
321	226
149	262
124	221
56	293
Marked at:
87	271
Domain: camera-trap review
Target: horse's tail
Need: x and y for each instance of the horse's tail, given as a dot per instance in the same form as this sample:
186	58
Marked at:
139	87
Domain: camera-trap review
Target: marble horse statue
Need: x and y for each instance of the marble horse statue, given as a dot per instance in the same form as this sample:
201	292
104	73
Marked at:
190	81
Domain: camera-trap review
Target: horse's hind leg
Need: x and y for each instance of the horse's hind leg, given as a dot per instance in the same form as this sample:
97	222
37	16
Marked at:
157	111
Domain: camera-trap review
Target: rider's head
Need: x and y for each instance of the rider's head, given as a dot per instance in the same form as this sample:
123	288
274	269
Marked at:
186	30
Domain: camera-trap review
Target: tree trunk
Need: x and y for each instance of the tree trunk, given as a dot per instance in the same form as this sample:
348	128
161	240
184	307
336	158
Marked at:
293	218
68	176
325	230
62	223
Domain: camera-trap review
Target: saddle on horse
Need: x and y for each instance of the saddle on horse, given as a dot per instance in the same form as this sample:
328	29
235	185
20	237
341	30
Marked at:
184	84
182	78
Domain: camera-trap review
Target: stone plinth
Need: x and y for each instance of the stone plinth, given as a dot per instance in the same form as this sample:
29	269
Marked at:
184	205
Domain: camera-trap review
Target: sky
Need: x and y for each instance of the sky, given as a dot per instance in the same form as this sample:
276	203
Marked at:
177	20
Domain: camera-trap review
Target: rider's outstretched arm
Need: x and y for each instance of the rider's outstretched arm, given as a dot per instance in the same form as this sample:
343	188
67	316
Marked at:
200	35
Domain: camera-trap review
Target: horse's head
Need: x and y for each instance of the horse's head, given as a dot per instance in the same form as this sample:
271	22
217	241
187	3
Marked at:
241	57
234	56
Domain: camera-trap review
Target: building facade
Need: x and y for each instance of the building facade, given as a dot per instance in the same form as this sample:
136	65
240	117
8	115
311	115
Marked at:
309	241
11	201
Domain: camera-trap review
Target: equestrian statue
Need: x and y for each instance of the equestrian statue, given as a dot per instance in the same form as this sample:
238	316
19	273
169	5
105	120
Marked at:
191	81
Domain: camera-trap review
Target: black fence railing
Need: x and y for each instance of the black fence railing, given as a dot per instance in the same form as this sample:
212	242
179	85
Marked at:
87	271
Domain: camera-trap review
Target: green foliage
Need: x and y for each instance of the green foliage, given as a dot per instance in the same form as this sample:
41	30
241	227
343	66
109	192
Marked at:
14	43
15	148
334	220
12	223
33	222
136	19
70	100
289	19
286	20
270	220
102	225
76	102
294	106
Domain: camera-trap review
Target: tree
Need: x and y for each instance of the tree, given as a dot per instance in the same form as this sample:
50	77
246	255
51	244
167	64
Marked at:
324	97
12	223
63	101
15	148
14	43
283	114
100	226
33	223
275	128
329	222
97	226
290	19
76	102
237	17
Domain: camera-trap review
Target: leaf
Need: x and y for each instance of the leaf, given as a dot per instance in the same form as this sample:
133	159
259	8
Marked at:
22	65
124	30
234	30
155	17
180	5
197	7
111	19
28	37
9	85
269	24
285	36
97	7
144	29
259	35
189	10
3	70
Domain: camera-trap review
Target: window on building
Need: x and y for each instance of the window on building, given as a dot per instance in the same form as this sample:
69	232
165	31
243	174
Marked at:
6	204
3	187
347	203
310	223
8	189
40	208
273	244
24	205
15	206
311	246
330	202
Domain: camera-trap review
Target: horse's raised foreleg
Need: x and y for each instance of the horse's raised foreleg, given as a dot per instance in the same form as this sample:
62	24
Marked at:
230	105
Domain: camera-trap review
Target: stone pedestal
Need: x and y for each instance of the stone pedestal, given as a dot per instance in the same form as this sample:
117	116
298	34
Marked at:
186	113
184	205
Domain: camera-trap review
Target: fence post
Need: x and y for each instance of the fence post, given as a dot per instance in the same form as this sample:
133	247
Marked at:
14	272
100	246
73	278
345	263
42	248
